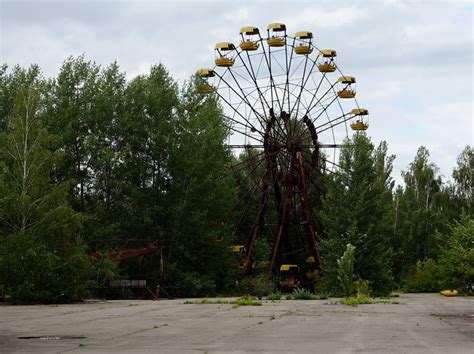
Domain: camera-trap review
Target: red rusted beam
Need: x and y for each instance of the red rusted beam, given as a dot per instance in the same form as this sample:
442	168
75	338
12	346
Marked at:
307	224
283	215
124	253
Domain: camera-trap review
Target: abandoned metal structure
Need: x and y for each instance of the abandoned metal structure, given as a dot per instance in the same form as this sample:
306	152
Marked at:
287	115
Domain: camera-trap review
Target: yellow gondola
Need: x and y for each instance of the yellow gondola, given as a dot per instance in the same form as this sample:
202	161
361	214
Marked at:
239	252
288	276
347	90
203	86
276	34
328	65
250	36
359	124
237	248
223	54
311	271
303	43
449	292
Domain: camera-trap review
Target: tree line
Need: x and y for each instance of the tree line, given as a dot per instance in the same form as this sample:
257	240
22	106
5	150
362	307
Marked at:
89	160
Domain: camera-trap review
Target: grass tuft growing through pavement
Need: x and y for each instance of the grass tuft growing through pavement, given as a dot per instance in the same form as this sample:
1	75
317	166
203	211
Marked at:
355	301
241	301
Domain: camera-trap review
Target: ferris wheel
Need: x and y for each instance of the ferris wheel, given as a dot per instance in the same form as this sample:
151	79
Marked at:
287	101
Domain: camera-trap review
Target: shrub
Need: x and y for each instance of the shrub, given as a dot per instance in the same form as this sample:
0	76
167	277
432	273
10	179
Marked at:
456	264
194	284
322	286
274	296
31	272
361	287
259	285
345	270
425	278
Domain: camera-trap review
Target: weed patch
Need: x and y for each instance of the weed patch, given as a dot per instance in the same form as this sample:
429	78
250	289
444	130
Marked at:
246	301
274	296
354	301
302	294
242	301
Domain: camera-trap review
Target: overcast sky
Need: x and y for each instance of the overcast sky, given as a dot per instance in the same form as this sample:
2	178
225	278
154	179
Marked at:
413	59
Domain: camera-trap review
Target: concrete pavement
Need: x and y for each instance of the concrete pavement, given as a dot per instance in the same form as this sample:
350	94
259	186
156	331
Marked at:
421	323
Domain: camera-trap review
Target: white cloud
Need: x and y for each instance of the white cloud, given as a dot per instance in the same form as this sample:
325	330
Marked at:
413	60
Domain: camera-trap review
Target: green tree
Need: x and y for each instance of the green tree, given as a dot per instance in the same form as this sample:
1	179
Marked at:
69	114
456	261
357	209
419	212
148	134
105	157
463	176
40	257
200	197
10	83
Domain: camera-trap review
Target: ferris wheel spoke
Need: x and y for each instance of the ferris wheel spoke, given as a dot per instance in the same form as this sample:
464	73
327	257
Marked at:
304	82
319	169
251	73
310	129
288	68
314	95
325	107
340	105
251	191
248	124
261	95
242	97
334	164
318	102
246	163
328	161
245	126
333	99
251	173
244	133
279	129
339	120
272	82
247	91
256	159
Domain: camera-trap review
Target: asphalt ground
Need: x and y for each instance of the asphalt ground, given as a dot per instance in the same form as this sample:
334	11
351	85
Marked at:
418	323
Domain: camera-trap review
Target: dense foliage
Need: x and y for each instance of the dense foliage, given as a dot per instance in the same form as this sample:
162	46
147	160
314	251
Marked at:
89	160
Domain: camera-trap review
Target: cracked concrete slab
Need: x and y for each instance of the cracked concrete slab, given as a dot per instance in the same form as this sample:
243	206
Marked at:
421	323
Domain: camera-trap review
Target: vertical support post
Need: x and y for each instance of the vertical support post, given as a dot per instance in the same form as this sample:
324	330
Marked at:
307	224
284	213
257	227
266	183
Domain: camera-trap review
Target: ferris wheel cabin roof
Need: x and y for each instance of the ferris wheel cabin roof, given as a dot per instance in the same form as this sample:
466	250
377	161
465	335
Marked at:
347	79
224	46
303	35
328	53
276	27
360	112
287	267
205	73
249	30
